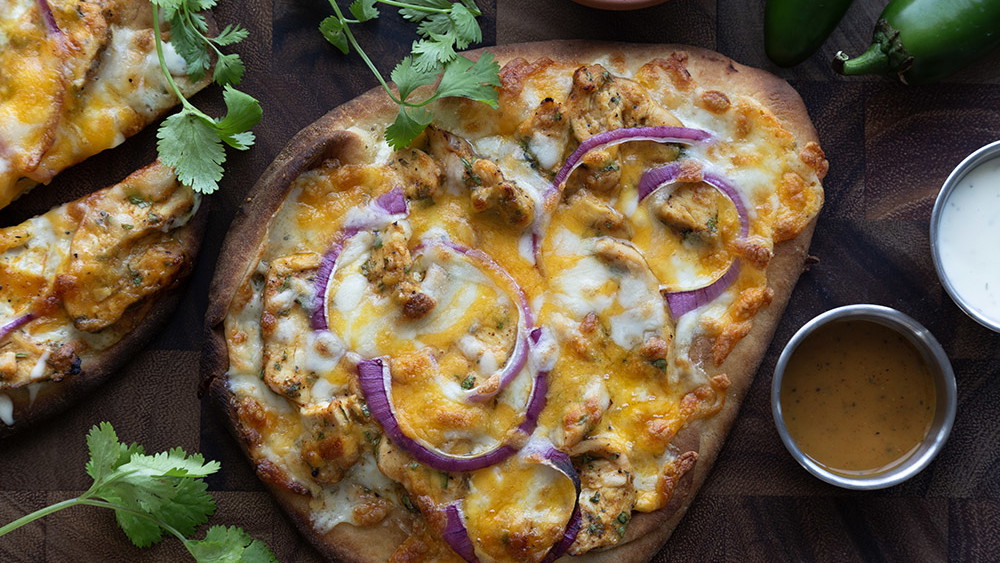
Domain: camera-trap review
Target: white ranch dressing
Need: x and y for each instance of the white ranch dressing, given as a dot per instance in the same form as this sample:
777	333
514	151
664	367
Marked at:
969	239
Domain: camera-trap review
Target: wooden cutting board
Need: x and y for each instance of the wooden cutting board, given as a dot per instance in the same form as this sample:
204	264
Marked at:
889	147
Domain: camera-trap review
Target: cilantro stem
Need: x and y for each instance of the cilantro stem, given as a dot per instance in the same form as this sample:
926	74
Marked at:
361	52
427	9
29	518
84	500
104	504
188	106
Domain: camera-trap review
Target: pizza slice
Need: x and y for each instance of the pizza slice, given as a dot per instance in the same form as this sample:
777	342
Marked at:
84	285
77	77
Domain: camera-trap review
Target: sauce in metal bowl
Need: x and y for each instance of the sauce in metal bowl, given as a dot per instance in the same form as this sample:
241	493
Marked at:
858	397
863	397
965	235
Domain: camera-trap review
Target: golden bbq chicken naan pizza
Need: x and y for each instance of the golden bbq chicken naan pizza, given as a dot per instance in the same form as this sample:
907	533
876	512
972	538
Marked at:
526	335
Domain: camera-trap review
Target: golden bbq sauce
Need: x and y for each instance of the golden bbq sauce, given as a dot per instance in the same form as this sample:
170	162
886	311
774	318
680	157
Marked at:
857	397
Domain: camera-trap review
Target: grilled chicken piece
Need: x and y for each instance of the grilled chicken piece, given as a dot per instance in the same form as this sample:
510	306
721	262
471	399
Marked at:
124	251
334	437
389	269
692	209
607	494
419	174
464	169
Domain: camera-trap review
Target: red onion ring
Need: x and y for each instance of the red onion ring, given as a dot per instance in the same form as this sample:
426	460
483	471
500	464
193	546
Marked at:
392	202
537	450
656	178
683	302
456	535
569	536
376	385
661	134
15	324
49	18
519	356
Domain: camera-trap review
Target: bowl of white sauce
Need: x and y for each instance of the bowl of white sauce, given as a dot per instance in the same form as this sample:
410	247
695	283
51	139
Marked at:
965	235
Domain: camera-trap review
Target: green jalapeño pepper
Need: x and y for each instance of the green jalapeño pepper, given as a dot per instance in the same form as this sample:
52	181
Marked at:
921	41
794	29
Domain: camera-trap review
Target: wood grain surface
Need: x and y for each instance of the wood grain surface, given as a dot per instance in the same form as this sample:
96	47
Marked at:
890	148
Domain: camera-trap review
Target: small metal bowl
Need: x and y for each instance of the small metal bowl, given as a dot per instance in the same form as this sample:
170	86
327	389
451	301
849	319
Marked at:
989	152
944	380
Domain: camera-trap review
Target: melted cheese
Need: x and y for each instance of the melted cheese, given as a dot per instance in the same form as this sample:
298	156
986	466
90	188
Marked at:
6	410
66	97
62	242
621	370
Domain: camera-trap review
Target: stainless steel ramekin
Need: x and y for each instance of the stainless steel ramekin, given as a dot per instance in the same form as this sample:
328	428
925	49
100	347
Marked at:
944	385
989	152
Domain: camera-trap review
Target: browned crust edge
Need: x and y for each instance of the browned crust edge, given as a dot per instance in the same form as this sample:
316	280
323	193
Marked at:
53	398
647	532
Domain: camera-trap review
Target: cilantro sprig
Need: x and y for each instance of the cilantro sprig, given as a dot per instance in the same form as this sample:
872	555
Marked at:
191	141
156	494
443	27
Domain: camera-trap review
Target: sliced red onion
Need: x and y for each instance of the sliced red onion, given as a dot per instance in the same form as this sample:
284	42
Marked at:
376	384
561	462
537	450
662	176
540	450
683	302
569	535
392	202
663	134
319	321
15	324
456	535
50	20
519	356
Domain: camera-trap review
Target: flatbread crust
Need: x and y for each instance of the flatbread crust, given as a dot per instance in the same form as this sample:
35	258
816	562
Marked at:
324	138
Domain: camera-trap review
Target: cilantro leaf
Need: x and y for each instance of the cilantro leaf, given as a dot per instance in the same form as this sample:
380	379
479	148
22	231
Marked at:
364	10
242	113
408	77
436	24
428	54
187	41
465	25
199	5
229	69
168	6
190	145
225	545
173	463
106	453
443	26
333	30
409	123
156	494
230	35
473	80
190	141
415	14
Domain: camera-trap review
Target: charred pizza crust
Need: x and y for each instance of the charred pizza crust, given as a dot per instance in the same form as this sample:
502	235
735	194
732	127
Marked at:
326	139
